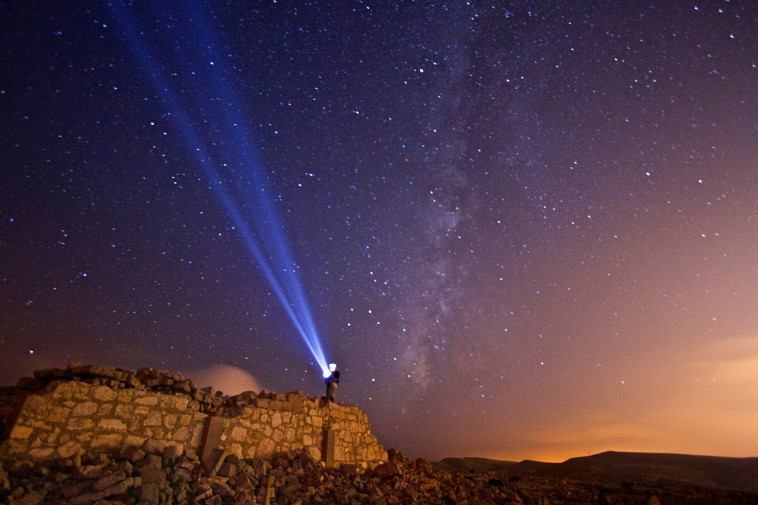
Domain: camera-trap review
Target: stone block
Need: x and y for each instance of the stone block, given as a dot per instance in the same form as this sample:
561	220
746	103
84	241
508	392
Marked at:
265	448
124	411
125	396
80	423
152	475
177	402
108	480
21	432
169	420
239	434
105	409
152	446
153	419
150	400
104	394
110	424
84	409
41	452
181	435
106	441
172	451
76	391
212	460
149	493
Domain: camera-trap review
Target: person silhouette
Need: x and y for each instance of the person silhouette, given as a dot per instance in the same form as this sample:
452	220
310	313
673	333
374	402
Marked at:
332	382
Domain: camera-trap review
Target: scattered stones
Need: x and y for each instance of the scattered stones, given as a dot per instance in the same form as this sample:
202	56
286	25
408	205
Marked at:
293	477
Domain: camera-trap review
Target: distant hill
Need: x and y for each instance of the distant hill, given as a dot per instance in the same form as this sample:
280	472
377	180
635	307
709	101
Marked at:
707	471
473	465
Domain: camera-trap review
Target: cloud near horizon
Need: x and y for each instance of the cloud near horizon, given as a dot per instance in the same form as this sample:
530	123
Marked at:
225	378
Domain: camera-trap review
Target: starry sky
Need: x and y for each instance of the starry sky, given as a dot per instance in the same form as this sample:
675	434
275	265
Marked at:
522	229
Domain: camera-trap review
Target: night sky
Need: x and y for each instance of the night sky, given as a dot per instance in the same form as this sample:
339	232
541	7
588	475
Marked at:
522	229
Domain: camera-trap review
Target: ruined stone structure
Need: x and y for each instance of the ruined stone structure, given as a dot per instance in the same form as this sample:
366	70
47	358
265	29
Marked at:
63	414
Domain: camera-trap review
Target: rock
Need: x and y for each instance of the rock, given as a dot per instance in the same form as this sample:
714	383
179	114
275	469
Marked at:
423	465
387	470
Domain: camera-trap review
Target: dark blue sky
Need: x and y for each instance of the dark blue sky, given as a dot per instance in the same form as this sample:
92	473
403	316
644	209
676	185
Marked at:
523	229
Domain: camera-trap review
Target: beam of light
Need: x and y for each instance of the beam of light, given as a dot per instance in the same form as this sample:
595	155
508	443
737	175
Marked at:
239	185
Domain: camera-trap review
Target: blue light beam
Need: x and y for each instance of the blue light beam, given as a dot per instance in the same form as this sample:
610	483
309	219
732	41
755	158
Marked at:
259	226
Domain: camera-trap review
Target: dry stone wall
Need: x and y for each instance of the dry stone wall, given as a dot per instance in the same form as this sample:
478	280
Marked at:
65	413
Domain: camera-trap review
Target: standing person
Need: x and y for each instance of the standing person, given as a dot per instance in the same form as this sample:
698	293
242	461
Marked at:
332	382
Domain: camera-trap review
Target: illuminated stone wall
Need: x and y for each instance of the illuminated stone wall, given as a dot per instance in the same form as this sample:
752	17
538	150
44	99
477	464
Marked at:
95	412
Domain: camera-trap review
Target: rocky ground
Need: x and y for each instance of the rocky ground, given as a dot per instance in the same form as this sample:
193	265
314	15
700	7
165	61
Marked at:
149	475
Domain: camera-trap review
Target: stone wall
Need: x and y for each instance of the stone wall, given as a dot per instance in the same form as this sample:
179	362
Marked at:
62	414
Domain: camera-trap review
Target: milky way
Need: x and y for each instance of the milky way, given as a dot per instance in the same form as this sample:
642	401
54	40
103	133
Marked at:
524	229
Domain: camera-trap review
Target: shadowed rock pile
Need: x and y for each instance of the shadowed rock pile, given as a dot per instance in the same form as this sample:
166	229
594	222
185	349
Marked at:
149	475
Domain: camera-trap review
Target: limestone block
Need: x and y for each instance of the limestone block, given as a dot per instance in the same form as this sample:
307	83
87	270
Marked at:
307	440
278	436
142	410
124	411
21	432
41	452
80	423
106	441
36	406
153	419
76	391
236	449
169	420
58	414
84	409
314	453
265	448
53	437
36	423
134	441
105	409
108	480
67	450
185	419
197	436
177	402
111	424
182	434
239	434
151	400
126	395
104	393
276	420
289	434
